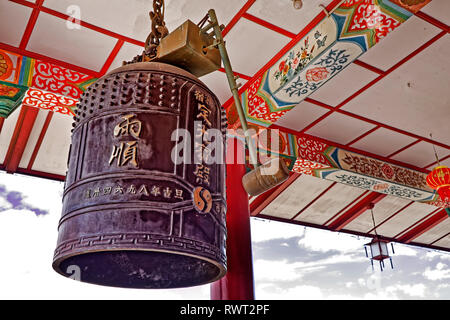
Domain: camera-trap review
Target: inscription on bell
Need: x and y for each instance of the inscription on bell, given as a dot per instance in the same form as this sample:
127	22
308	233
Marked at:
127	151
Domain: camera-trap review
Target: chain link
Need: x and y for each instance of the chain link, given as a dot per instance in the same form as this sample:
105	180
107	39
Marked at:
159	29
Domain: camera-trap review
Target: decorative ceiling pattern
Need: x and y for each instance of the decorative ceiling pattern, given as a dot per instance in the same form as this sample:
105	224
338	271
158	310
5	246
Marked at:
338	40
354	88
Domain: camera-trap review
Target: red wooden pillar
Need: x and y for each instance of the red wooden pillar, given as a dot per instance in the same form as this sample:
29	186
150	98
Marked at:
238	282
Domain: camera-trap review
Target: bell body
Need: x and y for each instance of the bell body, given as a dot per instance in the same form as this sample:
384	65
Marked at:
132	217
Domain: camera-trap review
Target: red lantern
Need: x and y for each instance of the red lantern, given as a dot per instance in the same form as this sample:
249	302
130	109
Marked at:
439	180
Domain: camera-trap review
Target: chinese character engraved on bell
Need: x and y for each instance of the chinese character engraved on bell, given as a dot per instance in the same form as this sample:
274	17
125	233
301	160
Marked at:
203	123
127	151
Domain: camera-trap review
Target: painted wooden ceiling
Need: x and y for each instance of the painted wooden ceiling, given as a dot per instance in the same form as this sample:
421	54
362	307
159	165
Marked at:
364	78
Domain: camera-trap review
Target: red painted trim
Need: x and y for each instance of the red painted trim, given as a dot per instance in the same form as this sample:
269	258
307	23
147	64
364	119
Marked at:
2	120
38	56
93	27
356	210
393	68
391	216
238	16
48	119
263	200
312	124
242	76
363	135
440	238
417	222
268	25
433	21
314	200
111	57
367	154
40	174
440	160
350	149
285	49
31	24
318	103
373	82
382	125
81	22
346	207
20	137
404	148
368	67
424	226
356	233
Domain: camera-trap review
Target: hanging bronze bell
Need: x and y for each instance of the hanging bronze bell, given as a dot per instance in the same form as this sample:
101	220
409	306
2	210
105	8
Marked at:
132	217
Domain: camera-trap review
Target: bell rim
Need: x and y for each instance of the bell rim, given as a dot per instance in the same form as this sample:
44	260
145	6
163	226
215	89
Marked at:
222	268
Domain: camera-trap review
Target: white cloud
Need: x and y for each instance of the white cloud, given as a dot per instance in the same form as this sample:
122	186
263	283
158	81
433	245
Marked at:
281	270
403	250
416	290
300	292
433	254
441	272
264	230
323	240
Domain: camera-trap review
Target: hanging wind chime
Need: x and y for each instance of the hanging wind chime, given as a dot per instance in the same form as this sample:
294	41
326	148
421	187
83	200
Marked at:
378	247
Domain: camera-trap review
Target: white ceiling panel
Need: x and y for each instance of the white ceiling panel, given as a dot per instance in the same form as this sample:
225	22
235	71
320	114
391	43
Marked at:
445	242
438	9
405	219
131	18
340	128
434	233
13	21
218	83
446	162
383	142
415	97
302	115
401	42
382	210
330	203
83	47
342	86
283	14
249	53
126	53
420	154
54	151
296	196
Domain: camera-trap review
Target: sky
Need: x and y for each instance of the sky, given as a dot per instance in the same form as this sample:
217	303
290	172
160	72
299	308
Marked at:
290	261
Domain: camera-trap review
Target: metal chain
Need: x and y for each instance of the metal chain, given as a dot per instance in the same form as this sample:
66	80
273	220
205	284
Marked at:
159	29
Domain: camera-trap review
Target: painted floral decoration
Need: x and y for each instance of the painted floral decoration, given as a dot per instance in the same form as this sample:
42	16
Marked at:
294	63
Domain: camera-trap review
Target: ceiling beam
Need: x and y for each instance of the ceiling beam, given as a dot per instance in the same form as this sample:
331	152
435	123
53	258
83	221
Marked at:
424	227
263	200
356	233
19	139
355	211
